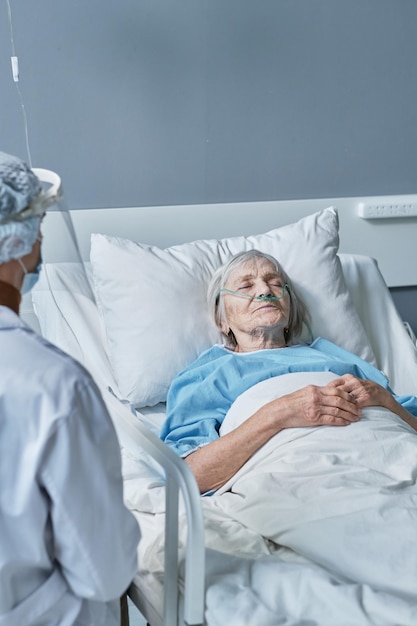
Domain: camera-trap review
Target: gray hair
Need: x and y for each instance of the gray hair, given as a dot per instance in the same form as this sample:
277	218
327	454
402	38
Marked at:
298	310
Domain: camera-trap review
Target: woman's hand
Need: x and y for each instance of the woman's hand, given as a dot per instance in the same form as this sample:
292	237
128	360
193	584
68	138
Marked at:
330	405
368	393
364	392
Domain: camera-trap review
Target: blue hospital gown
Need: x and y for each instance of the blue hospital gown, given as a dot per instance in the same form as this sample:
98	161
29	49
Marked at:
201	395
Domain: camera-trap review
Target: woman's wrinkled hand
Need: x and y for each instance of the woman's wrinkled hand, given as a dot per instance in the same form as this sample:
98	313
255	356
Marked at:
330	405
364	392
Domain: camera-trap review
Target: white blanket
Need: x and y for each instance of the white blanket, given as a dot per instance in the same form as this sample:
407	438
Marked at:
323	522
344	501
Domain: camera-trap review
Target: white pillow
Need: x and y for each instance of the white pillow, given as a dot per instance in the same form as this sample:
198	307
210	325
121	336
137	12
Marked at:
153	301
394	352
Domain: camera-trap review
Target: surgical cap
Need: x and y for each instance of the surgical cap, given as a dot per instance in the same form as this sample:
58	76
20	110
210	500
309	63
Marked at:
19	187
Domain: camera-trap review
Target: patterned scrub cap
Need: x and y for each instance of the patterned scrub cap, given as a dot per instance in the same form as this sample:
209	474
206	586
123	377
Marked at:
19	187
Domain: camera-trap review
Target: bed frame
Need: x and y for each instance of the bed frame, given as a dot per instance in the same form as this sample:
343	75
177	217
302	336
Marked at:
391	242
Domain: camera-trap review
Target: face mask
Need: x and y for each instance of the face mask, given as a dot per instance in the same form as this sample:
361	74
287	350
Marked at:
30	278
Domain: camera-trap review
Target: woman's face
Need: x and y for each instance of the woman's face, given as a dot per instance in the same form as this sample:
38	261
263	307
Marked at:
247	316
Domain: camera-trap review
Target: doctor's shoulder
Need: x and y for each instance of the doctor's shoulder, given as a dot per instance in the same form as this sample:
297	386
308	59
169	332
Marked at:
58	375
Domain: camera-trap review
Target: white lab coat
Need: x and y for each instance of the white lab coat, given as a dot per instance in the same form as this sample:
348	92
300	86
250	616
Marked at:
67	543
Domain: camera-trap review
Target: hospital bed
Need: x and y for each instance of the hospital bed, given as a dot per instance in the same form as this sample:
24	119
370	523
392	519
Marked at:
147	320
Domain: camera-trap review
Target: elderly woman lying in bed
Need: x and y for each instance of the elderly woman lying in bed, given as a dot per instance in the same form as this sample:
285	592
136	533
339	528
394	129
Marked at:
261	316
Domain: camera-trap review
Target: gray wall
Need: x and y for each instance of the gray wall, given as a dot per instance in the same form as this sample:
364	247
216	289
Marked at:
147	102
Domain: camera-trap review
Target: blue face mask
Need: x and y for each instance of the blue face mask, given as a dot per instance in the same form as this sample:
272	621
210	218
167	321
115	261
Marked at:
30	278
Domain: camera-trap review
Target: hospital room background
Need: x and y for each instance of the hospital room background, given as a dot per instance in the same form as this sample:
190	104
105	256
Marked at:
175	102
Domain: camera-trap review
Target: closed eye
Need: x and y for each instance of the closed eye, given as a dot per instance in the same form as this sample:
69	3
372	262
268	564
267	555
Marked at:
245	286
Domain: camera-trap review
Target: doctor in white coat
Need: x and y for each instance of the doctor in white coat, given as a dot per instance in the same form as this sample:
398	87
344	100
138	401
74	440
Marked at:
68	545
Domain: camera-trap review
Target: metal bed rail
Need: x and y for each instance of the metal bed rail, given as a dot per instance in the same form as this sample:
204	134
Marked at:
179	479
